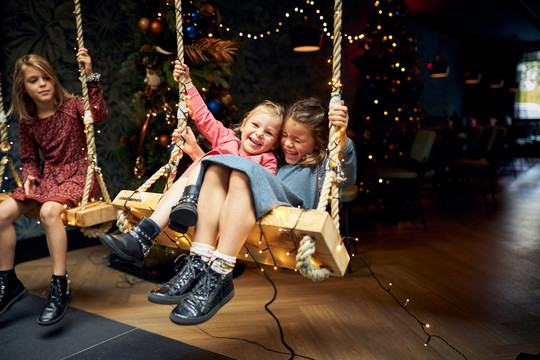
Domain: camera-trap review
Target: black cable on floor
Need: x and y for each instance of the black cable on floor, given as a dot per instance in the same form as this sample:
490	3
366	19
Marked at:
404	306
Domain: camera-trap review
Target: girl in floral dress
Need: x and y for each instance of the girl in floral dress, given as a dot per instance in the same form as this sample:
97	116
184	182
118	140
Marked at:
54	162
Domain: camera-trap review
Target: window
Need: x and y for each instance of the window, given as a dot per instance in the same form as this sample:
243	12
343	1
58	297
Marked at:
527	105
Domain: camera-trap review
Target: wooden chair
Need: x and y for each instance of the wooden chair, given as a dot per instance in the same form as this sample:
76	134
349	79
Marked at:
399	182
483	168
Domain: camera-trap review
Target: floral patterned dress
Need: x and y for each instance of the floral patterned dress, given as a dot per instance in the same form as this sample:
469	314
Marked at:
53	150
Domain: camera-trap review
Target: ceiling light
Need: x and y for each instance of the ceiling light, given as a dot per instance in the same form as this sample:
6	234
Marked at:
438	68
307	37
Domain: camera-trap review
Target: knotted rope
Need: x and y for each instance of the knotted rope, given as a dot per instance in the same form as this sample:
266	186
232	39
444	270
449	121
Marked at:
330	188
170	168
5	145
93	167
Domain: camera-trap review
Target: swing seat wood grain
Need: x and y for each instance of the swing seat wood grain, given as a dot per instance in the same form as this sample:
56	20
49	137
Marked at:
282	231
95	213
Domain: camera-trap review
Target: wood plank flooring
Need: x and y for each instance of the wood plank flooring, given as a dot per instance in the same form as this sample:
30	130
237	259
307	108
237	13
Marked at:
474	277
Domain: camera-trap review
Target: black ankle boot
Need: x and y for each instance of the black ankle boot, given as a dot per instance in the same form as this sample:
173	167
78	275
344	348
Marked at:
57	301
11	290
184	214
188	272
135	244
211	292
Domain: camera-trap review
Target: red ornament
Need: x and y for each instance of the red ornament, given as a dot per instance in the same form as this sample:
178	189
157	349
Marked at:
144	24
164	140
156	27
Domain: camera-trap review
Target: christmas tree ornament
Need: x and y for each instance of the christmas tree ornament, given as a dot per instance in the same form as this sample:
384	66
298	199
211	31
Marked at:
156	27
144	24
164	140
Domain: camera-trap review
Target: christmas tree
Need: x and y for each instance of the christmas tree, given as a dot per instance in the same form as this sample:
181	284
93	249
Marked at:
146	145
387	114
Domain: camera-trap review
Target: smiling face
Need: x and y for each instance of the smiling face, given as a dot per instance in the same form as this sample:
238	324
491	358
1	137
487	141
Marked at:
296	141
38	85
259	134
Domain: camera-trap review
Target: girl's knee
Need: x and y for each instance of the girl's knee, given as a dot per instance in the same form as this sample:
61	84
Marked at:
51	212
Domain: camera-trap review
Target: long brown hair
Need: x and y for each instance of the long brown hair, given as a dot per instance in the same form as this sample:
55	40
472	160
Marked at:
311	113
22	105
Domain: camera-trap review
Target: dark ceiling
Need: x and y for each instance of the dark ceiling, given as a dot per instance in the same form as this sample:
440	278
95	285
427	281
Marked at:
514	20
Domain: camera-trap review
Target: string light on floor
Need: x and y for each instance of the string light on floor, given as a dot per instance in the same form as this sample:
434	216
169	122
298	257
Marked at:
404	305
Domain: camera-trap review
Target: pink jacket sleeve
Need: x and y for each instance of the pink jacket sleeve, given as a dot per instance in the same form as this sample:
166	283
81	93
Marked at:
212	129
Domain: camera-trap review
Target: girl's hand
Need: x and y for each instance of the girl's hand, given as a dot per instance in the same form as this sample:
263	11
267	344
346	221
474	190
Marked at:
182	70
30	185
191	146
339	117
84	59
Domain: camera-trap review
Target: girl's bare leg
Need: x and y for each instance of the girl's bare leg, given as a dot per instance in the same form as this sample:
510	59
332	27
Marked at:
237	216
211	200
10	210
55	231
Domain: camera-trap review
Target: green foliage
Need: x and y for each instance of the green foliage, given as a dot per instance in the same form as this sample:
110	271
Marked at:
155	93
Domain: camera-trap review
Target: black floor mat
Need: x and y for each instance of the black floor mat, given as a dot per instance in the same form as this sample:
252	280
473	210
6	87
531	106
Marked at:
82	335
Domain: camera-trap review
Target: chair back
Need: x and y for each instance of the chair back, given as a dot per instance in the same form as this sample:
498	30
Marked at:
421	147
495	143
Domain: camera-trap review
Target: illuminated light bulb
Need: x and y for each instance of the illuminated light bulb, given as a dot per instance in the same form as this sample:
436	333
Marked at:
246	255
275	267
260	251
287	253
262	269
427	325
380	181
339	247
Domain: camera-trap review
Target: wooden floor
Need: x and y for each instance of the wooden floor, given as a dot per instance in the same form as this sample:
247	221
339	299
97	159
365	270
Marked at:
474	277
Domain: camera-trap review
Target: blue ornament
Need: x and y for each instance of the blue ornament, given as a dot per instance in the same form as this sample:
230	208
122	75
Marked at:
170	150
190	32
216	106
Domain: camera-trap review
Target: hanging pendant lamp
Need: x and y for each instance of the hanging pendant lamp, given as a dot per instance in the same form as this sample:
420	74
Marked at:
307	37
438	68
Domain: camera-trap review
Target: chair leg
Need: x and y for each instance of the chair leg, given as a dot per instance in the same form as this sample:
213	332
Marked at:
421	211
484	191
492	190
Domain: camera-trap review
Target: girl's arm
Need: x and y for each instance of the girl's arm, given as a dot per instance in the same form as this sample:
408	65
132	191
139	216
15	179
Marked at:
31	165
190	147
95	94
212	129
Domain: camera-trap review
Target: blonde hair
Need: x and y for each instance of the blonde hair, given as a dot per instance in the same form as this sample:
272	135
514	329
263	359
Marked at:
311	113
266	107
22	105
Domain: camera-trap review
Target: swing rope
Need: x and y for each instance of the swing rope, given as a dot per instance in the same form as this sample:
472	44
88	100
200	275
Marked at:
5	145
93	167
170	168
330	190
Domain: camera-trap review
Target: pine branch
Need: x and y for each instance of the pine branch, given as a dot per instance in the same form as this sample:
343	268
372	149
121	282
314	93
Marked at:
211	50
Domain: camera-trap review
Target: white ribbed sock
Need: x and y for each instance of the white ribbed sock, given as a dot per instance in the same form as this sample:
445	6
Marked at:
221	263
205	251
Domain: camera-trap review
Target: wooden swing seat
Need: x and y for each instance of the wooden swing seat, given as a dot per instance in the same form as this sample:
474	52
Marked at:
95	213
282	230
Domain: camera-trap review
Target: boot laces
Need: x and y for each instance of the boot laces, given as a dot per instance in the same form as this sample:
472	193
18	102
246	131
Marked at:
186	264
